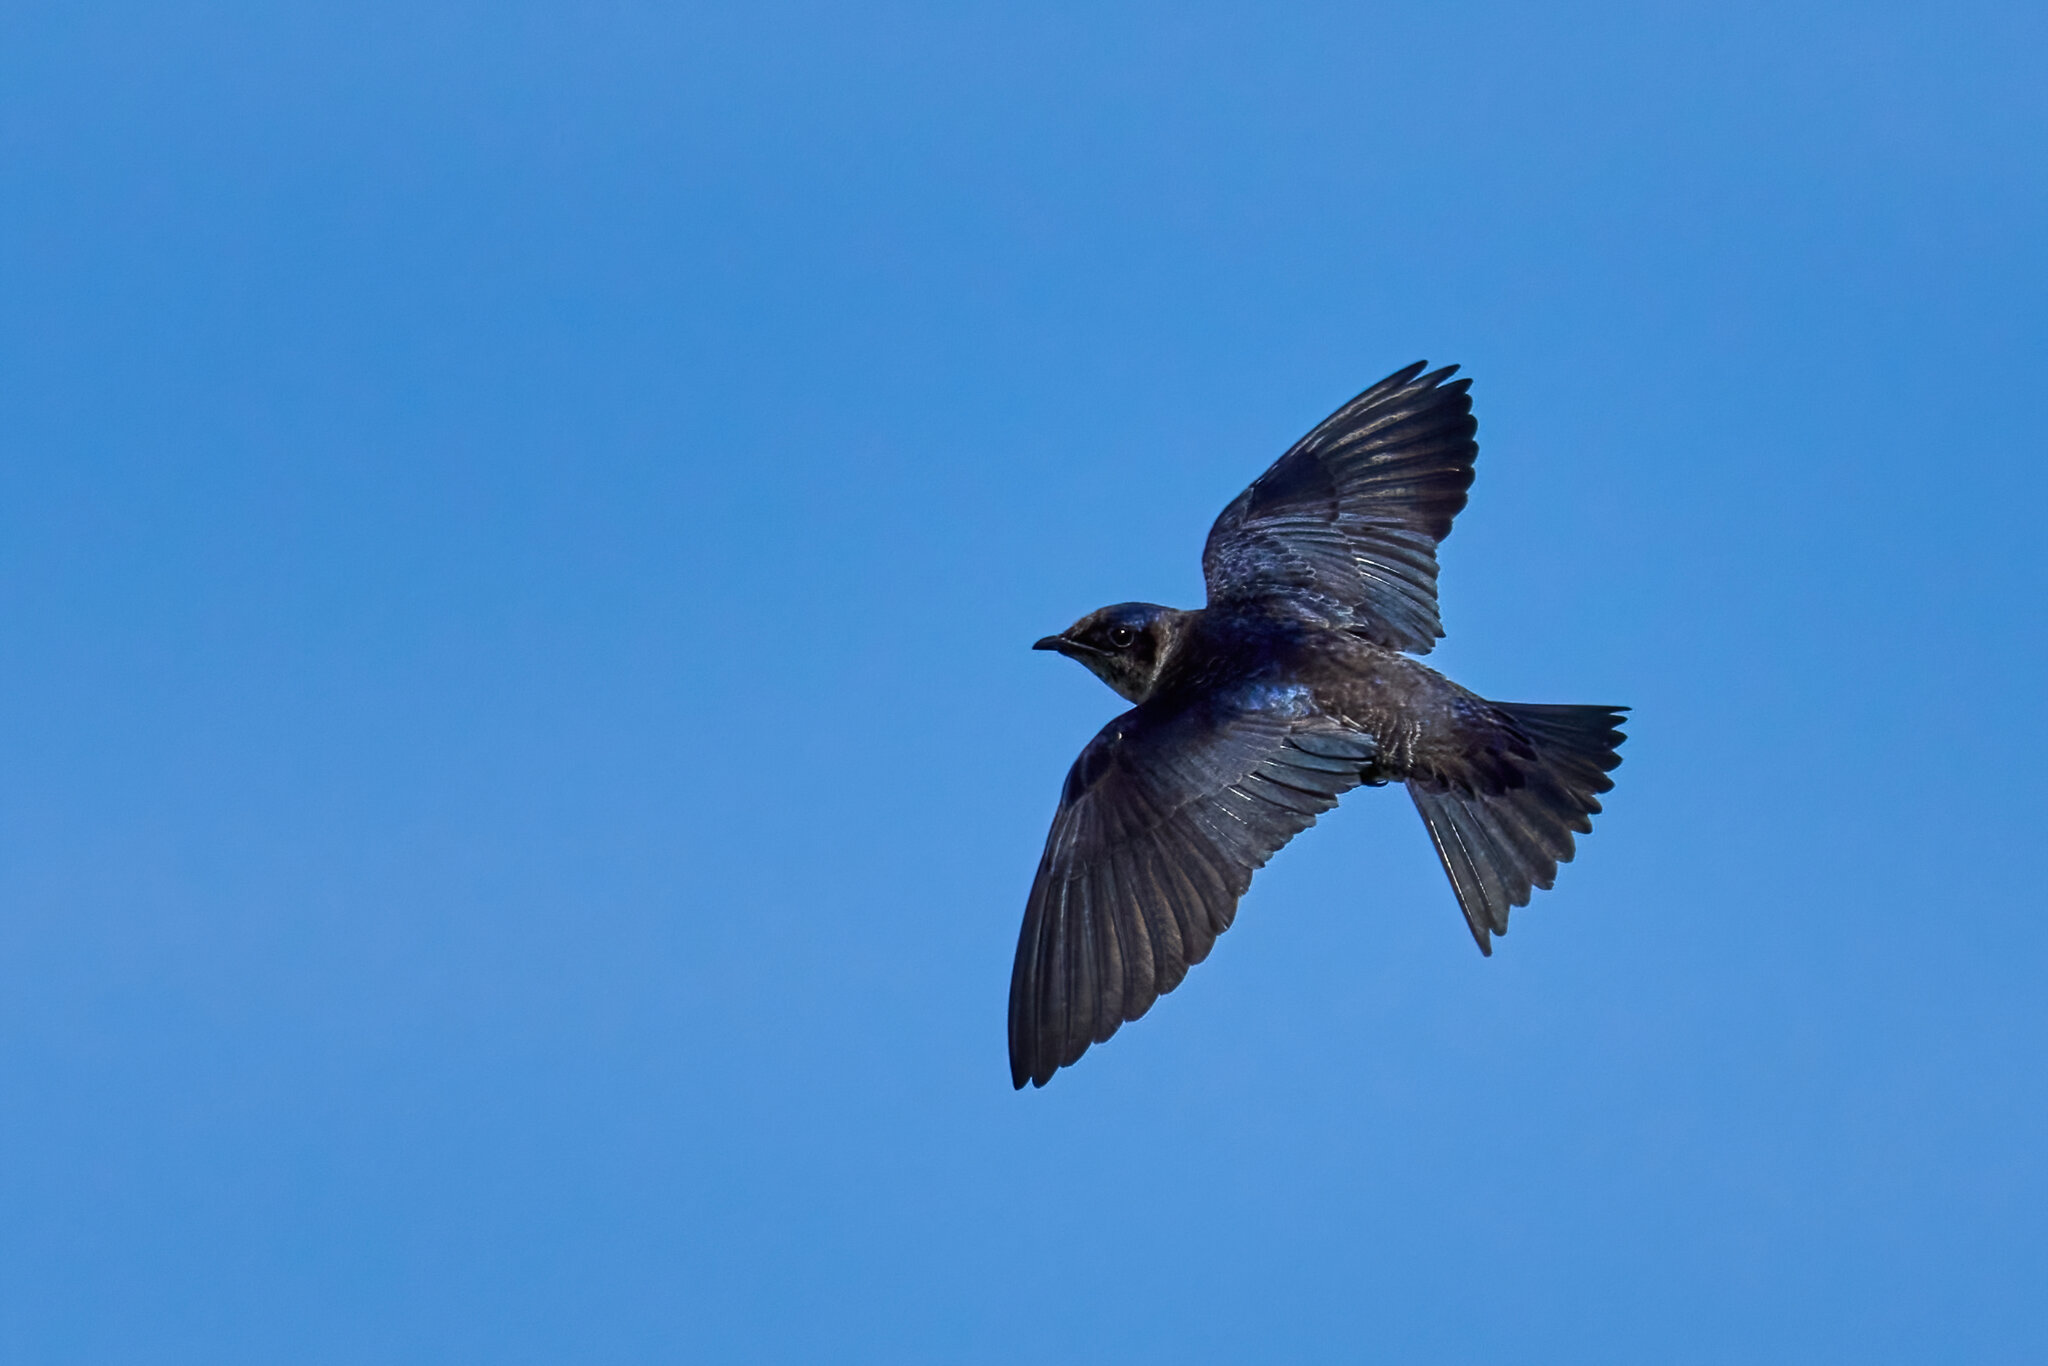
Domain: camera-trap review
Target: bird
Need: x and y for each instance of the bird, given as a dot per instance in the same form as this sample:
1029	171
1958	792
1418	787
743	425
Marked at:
1252	715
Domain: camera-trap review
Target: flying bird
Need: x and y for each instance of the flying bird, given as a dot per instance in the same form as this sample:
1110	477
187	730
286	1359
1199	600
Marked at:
1252	715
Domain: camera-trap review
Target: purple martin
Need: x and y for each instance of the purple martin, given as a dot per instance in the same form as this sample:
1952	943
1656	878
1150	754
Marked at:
1252	715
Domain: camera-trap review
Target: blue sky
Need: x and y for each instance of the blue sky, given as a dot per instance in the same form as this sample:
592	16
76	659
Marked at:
520	529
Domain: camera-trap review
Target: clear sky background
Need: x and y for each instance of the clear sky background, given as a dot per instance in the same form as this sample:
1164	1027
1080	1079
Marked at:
520	529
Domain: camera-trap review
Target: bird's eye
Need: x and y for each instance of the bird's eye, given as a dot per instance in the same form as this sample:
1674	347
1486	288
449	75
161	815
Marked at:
1122	636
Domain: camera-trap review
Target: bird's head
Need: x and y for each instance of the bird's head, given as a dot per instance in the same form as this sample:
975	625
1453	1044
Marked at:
1125	646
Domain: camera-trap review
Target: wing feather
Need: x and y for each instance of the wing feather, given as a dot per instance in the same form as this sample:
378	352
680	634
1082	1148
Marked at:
1345	525
1163	820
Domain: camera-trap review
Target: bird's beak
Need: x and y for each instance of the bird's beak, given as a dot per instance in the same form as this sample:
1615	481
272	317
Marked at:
1072	649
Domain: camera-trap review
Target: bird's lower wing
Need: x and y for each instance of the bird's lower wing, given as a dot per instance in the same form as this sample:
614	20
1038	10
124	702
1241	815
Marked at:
1164	818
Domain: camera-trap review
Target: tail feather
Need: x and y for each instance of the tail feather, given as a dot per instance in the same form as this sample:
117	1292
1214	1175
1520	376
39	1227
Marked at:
1498	846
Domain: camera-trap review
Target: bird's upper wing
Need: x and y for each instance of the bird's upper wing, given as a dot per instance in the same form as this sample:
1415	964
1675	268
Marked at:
1162	822
1346	523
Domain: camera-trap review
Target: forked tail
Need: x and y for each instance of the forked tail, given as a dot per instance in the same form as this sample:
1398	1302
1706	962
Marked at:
1496	845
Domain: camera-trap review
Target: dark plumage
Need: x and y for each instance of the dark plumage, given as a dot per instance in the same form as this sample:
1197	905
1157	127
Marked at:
1254	714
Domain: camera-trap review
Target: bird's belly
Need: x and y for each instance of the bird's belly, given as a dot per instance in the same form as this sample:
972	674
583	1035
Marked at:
1409	709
